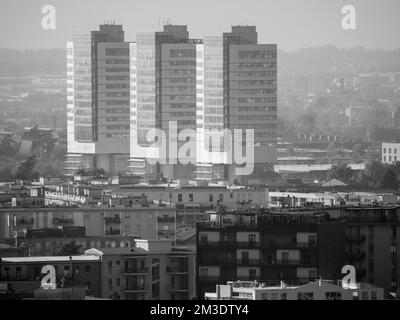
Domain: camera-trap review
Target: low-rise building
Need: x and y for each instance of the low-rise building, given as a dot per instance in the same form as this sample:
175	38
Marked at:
390	152
262	246
316	290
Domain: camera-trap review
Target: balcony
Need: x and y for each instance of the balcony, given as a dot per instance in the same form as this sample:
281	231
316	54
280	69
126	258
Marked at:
177	270
133	288
286	262
112	220
63	221
248	262
247	244
177	288
355	256
355	238
166	219
25	221
230	244
210	279
133	271
115	232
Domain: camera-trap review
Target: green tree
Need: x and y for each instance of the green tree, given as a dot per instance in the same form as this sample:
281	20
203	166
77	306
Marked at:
25	170
340	172
8	146
389	180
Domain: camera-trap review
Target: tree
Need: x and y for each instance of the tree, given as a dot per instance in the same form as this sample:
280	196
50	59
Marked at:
340	172
25	170
8	146
389	180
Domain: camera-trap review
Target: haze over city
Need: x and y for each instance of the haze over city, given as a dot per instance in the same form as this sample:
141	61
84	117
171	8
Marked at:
292	24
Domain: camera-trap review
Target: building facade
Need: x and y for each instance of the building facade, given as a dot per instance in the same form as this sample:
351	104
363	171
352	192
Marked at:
390	152
98	79
261	246
152	270
317	290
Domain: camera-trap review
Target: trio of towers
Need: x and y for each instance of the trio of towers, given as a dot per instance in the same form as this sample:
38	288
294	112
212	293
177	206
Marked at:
118	92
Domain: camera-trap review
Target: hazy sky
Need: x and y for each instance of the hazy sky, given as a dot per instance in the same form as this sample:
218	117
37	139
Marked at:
292	24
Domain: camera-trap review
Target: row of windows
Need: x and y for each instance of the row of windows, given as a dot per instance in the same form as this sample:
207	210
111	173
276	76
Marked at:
117	51
257	54
390	158
390	150
182	53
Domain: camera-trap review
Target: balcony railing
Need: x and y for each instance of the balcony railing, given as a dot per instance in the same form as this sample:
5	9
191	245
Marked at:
113	232
248	262
177	270
136	288
63	220
112	219
230	244
287	262
25	221
166	219
128	271
177	288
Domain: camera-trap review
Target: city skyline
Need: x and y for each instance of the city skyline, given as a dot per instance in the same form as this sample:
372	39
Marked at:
291	24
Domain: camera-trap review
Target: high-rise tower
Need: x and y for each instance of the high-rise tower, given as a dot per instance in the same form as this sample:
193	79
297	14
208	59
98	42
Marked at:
98	100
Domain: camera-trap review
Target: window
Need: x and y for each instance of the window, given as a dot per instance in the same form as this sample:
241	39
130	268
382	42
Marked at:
203	238
252	239
221	197
283	296
211	197
118	282
333	296
179	197
190	197
203	272
364	295
252	274
374	295
305	296
274	296
110	283
88	268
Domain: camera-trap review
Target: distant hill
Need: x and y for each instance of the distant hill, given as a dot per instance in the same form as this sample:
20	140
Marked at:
330	59
313	60
19	63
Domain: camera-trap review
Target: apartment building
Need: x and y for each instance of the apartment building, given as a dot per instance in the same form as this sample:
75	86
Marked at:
146	221
23	274
163	87
240	92
193	201
98	96
317	290
254	245
372	242
390	152
152	270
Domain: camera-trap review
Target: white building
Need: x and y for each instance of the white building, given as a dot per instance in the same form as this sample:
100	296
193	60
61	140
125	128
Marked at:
390	152
318	290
